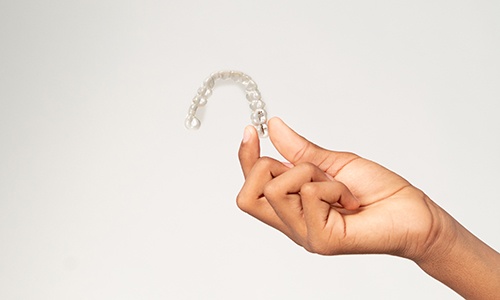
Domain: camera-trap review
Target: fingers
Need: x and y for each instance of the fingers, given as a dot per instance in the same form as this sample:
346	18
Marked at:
249	151
330	192
283	193
292	146
318	201
251	198
299	199
306	200
327	229
296	149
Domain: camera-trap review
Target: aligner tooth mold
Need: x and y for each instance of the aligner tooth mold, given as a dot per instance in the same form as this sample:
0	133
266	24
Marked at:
258	115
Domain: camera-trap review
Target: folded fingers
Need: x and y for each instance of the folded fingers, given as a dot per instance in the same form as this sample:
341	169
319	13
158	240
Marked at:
302	202
283	194
251	198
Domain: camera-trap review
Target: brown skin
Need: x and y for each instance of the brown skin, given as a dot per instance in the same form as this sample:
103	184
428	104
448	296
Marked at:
339	203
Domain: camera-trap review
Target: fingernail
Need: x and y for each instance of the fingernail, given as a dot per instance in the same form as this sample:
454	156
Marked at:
246	134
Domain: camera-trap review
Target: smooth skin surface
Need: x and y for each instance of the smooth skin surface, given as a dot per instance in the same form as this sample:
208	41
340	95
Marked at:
340	203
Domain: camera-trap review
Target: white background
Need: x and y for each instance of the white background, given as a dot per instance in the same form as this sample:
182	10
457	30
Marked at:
105	195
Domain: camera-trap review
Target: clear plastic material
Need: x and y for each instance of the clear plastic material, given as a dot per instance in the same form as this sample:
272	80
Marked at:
258	115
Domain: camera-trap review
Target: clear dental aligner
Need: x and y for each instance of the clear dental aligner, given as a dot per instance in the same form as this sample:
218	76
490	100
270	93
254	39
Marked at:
258	115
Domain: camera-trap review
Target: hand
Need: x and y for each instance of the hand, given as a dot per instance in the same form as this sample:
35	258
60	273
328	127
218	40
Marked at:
337	203
334	202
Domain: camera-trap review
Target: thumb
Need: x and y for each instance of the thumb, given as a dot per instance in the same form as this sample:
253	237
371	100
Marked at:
296	149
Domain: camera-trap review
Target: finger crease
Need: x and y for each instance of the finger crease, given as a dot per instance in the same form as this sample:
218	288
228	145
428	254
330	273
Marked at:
300	154
345	165
394	193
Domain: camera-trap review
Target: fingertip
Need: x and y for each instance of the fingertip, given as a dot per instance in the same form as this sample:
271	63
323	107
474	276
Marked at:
250	140
249	149
347	199
275	124
274	120
288	142
248	133
352	204
278	129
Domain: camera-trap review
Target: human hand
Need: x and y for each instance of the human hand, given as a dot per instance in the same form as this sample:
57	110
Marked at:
338	203
334	202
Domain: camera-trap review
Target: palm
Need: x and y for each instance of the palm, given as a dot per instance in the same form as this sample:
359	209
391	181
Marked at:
391	210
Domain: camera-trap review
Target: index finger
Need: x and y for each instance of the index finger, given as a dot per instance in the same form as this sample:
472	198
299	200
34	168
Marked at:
249	151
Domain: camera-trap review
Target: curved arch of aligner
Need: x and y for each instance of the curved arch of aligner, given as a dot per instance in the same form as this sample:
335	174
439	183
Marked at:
258	116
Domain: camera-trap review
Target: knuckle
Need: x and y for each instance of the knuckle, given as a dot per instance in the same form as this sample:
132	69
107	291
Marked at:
264	163
272	191
309	247
309	189
243	203
318	247
307	167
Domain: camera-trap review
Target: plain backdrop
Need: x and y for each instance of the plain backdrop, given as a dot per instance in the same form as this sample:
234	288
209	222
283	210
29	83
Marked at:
105	195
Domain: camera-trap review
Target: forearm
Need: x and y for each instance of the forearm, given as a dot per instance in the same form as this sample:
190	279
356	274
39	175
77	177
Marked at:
464	263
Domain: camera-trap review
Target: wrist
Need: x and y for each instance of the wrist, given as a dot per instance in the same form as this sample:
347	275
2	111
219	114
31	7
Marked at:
429	230
440	238
459	259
